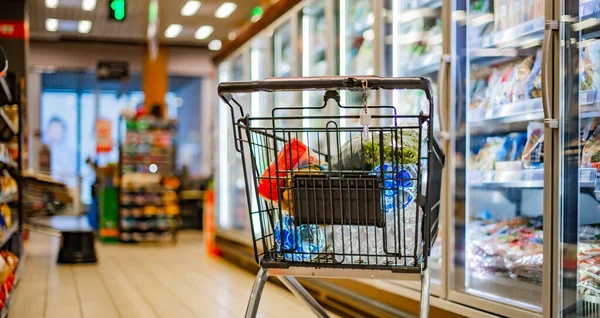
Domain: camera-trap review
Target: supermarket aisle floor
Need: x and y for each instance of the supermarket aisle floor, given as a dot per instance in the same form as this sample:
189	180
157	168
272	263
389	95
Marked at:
141	281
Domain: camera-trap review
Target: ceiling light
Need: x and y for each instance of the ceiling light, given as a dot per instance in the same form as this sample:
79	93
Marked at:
51	25
225	10
173	31
190	8
88	5
51	4
84	26
231	36
203	32
214	45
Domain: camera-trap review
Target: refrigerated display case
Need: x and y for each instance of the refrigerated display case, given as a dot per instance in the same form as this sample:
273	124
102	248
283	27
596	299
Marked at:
498	231
413	48
232	205
578	281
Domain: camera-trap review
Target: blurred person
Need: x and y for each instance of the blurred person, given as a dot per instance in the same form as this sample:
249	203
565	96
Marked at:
62	159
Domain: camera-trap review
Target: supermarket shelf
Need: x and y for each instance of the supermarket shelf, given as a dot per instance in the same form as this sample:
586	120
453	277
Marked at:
509	185
524	111
154	229
587	184
8	234
590	298
418	13
152	216
432	4
528	34
8	122
8	198
591	114
423	65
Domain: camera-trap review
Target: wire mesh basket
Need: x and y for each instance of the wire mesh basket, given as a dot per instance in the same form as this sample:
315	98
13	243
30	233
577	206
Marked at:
355	187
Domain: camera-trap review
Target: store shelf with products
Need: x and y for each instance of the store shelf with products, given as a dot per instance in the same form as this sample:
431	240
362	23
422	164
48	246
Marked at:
526	34
148	199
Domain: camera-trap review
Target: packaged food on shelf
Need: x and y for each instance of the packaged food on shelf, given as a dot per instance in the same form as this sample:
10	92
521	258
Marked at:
512	247
533	153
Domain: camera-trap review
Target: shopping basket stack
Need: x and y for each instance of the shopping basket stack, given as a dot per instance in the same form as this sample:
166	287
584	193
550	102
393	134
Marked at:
353	195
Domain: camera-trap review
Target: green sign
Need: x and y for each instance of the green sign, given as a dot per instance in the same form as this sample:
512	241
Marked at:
117	9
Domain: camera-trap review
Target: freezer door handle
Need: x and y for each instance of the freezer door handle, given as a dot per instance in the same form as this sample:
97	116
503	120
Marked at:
550	29
441	105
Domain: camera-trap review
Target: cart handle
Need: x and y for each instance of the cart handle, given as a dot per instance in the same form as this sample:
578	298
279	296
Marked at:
325	83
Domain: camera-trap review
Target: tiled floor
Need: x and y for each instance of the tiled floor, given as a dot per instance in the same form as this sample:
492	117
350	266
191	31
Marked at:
141	281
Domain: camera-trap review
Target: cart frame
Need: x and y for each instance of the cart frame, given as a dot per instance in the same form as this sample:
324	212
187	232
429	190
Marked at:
286	269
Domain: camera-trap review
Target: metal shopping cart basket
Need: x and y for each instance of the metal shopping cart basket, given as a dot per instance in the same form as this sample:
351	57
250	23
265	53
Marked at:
336	190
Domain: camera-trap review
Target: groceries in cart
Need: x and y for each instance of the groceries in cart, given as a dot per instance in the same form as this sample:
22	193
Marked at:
350	239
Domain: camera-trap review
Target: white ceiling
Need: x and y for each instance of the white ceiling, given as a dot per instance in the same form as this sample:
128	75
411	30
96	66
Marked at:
133	29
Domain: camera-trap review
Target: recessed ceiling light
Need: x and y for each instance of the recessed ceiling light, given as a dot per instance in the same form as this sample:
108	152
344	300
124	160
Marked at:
88	5
51	4
214	45
231	36
225	10
84	26
203	32
190	8
51	25
173	31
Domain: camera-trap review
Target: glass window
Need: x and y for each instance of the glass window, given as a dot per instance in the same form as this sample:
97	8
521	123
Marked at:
59	134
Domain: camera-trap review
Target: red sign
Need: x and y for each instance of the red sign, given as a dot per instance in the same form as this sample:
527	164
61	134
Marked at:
103	136
14	29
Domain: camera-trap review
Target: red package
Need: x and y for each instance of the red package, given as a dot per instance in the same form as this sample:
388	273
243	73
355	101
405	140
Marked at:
293	155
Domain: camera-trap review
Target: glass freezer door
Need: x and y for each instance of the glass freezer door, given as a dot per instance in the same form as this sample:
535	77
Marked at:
579	160
413	48
498	223
232	202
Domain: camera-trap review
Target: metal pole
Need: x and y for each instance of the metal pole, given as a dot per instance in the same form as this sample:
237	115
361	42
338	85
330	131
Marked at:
254	301
425	294
292	284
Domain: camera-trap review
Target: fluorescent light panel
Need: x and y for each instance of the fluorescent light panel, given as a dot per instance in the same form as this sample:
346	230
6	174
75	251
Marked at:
190	8
173	31
51	25
214	45
51	4
203	32
88	5
84	26
225	10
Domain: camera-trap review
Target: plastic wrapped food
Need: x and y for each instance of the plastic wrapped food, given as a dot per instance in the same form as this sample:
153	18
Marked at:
360	154
586	69
512	148
590	148
294	154
353	244
303	242
530	89
485	158
401	179
522	75
533	151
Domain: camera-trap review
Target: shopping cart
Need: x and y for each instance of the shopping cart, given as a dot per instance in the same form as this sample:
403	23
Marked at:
350	195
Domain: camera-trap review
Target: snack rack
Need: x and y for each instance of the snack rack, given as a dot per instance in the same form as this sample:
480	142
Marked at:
338	200
11	167
148	188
